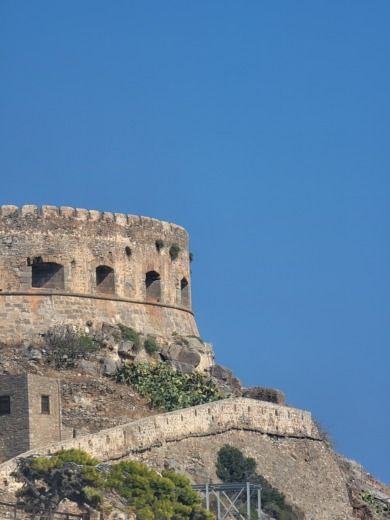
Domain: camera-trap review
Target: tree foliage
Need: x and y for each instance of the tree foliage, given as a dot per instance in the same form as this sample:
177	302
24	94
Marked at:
48	481
166	388
233	466
74	475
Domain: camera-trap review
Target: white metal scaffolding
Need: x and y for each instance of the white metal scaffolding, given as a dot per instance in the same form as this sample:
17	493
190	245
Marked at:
233	500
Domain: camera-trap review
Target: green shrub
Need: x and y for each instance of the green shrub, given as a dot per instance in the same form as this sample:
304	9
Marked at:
159	244
174	251
73	455
150	345
376	505
67	345
166	388
92	496
141	490
129	334
77	456
233	466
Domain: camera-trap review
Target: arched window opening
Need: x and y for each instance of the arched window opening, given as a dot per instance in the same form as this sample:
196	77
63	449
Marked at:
47	275
153	286
184	292
105	279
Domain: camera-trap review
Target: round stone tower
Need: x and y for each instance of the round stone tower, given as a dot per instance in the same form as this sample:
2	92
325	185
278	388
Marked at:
60	265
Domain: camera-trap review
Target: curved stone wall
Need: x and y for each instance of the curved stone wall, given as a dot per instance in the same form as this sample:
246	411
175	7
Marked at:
66	265
198	421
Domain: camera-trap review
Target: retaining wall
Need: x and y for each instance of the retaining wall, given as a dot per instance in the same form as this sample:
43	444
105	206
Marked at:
199	421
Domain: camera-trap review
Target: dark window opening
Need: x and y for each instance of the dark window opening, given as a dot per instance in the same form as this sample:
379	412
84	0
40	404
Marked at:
153	286
5	404
45	404
48	275
184	292
105	279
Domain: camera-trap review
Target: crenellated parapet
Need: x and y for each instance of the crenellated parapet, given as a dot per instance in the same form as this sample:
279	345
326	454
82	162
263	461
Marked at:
31	211
65	265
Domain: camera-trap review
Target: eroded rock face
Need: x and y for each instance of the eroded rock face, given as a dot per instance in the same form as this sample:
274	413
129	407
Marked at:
185	353
126	350
305	470
265	394
369	498
226	380
190	351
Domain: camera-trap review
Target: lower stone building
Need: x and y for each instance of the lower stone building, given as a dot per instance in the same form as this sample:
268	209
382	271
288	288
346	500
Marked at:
30	413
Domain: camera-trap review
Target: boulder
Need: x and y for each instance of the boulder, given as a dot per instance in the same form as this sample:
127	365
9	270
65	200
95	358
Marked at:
181	352
111	330
109	366
88	367
222	373
34	354
190	357
110	344
125	349
204	349
226	379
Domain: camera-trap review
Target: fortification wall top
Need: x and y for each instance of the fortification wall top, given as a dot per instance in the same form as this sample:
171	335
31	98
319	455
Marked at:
32	211
198	421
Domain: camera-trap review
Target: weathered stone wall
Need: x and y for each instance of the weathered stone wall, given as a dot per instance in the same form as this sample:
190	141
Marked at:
26	316
198	421
304	470
14	428
77	243
44	428
284	441
26	427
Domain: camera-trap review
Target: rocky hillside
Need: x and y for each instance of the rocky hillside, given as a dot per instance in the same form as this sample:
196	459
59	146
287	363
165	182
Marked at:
317	482
91	399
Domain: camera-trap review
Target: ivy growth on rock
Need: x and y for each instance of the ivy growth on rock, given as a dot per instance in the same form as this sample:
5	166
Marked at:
74	475
165	387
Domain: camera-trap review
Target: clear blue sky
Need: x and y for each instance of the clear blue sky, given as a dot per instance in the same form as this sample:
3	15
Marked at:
263	128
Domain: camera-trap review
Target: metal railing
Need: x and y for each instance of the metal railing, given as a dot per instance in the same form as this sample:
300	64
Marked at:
232	501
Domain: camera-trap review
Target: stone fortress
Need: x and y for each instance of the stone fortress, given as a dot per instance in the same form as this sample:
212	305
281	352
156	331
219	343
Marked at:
65	266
